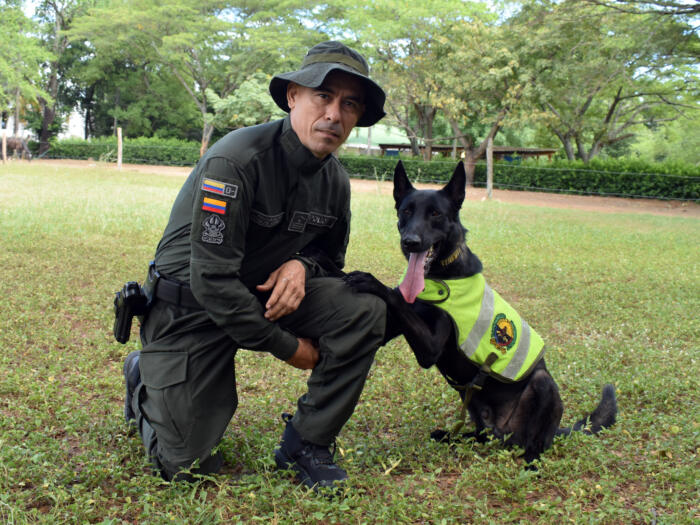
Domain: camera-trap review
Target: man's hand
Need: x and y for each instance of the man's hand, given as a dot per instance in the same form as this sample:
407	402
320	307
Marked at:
288	289
306	355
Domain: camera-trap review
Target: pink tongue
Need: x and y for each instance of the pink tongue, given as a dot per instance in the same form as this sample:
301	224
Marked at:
413	282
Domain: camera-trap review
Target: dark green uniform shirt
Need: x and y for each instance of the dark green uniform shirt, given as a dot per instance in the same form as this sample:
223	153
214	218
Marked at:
254	201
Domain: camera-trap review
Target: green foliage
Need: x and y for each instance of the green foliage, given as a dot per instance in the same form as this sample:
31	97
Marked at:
21	55
612	294
143	150
600	176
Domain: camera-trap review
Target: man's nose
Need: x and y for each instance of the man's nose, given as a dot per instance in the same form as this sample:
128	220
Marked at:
333	110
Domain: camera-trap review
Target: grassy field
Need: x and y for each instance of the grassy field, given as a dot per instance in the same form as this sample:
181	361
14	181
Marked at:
615	296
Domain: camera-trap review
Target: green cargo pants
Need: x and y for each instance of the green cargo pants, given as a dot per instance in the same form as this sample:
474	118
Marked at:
188	392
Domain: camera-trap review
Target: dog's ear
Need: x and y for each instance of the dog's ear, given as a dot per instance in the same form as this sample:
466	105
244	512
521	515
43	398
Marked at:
455	189
402	186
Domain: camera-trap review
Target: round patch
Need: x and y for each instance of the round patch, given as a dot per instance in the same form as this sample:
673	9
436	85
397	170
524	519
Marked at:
503	333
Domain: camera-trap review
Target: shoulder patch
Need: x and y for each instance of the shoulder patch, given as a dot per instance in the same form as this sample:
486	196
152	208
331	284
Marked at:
214	205
213	227
220	188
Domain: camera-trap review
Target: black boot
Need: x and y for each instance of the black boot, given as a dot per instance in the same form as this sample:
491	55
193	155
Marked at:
313	463
132	378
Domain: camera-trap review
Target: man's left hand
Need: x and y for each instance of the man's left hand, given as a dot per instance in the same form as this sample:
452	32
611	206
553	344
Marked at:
288	284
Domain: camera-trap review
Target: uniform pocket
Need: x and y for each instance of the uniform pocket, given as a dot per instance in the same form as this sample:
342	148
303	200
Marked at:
160	370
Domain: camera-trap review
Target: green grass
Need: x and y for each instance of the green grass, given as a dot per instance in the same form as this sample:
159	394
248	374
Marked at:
615	296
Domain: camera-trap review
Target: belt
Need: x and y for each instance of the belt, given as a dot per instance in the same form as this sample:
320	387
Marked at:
173	292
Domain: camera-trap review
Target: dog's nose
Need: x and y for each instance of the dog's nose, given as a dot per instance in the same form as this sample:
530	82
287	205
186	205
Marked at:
410	242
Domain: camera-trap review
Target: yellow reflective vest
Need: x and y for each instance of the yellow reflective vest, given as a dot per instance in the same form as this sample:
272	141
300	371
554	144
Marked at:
486	324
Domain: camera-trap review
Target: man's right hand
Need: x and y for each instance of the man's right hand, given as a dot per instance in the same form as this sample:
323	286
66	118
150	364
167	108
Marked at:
306	356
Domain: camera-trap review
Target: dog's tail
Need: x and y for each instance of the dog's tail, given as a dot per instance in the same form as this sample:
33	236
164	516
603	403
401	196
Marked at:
603	416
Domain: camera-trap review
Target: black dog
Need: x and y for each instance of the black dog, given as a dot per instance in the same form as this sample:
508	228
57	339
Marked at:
523	407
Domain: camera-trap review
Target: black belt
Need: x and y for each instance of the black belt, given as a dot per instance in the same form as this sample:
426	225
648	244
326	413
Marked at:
173	292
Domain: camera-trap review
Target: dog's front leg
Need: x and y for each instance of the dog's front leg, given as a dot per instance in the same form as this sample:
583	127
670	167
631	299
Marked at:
427	340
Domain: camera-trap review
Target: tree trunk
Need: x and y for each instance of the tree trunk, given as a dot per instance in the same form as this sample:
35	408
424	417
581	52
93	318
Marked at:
207	131
469	167
15	125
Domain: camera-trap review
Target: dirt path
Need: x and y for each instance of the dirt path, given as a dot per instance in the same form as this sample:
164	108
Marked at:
529	198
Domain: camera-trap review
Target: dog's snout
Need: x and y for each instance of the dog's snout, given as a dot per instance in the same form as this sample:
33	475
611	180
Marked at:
410	242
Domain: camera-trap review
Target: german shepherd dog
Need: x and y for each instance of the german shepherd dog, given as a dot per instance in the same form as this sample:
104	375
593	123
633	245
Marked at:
526	412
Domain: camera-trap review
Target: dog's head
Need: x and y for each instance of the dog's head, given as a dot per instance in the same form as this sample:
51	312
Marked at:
429	225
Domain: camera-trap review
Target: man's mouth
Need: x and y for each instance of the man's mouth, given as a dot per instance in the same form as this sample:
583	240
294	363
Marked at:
414	280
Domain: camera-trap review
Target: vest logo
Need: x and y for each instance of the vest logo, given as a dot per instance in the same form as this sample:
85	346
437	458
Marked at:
503	333
213	228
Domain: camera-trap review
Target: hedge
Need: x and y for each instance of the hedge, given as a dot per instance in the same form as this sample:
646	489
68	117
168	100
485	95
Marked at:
143	150
619	177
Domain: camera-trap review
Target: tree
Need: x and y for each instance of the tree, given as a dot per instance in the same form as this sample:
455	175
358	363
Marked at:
21	56
661	7
207	45
610	73
55	17
402	40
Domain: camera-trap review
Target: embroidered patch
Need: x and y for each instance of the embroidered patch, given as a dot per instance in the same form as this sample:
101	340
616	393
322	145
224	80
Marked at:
298	222
220	188
214	205
503	333
324	221
213	228
301	219
266	221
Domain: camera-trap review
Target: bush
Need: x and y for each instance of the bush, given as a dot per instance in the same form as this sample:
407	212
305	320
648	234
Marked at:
143	150
616	177
619	177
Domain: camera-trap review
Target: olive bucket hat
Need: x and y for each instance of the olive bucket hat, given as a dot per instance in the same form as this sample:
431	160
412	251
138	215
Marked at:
321	60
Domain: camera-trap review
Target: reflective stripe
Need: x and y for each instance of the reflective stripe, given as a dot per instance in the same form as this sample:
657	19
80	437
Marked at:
482	325
518	359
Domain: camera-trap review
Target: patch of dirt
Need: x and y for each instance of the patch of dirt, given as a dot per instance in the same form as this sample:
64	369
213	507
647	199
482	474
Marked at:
527	198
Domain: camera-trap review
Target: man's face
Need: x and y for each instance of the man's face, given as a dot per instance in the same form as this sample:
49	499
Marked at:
323	117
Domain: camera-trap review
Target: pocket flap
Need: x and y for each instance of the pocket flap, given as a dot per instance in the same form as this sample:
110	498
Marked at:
163	369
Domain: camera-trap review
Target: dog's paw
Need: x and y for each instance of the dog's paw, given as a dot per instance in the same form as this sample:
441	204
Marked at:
363	282
440	435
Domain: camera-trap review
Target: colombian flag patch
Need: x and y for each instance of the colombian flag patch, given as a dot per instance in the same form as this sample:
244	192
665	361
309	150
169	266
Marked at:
220	188
214	205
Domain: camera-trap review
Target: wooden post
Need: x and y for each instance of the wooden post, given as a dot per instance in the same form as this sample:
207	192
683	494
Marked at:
489	168
4	144
119	148
369	140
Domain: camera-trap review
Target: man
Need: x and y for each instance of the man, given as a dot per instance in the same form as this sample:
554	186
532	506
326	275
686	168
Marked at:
238	267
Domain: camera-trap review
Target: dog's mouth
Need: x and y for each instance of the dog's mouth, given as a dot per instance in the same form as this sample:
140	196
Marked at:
414	280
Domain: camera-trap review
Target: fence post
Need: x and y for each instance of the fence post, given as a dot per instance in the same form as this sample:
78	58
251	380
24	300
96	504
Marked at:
119	148
489	168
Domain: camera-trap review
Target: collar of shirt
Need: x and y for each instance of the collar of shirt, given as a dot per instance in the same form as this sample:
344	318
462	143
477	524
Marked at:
298	155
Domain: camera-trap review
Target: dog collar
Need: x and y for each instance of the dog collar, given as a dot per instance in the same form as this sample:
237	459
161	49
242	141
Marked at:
452	258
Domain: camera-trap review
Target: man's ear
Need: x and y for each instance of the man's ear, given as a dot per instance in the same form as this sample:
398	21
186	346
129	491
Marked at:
402	186
292	93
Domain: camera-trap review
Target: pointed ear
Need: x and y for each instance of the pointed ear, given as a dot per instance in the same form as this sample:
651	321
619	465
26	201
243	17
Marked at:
455	189
402	186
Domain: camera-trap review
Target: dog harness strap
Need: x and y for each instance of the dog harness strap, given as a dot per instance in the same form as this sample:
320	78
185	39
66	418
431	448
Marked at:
476	384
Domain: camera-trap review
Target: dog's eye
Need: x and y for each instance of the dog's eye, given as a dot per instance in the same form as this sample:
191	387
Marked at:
435	213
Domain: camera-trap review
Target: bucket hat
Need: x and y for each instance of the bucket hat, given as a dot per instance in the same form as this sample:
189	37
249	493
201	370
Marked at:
321	60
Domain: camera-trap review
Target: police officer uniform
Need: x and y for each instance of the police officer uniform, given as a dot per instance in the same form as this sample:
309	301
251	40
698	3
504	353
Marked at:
257	199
